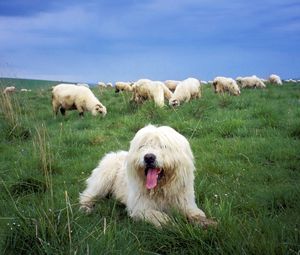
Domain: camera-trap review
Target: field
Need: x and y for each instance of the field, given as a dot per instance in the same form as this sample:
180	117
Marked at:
248	174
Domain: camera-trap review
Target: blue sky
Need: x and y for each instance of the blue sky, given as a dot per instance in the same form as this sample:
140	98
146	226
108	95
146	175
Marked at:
106	40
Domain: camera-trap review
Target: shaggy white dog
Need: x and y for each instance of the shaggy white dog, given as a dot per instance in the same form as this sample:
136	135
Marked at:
154	177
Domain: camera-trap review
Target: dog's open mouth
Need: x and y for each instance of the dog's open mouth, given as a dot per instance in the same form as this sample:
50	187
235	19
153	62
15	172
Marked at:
153	175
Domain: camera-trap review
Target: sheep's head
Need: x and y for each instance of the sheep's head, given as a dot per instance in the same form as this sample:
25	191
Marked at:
99	109
174	102
236	92
234	88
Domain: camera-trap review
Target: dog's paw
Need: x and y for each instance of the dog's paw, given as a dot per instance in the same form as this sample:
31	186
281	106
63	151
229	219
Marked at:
205	222
86	208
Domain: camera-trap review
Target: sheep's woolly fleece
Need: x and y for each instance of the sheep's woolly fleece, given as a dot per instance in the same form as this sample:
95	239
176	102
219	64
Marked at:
185	91
145	89
224	84
250	82
72	97
154	177
275	79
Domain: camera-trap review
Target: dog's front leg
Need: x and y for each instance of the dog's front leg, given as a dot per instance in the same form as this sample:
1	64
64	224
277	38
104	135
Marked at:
197	216
157	218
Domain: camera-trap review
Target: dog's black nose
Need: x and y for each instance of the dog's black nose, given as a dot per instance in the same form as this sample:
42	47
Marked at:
149	158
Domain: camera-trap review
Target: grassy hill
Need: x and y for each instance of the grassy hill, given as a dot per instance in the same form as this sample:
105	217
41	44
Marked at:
248	173
26	83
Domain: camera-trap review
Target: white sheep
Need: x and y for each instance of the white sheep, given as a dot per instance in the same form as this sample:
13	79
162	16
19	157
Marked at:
25	90
250	82
223	84
83	85
275	79
123	86
145	89
9	90
73	97
291	80
101	84
171	84
185	91
109	84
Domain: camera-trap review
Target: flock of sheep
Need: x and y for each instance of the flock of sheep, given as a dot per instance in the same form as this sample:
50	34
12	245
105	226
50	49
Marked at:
71	97
12	89
177	92
80	97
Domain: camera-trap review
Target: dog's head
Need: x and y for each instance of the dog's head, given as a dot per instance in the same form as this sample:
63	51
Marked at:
157	155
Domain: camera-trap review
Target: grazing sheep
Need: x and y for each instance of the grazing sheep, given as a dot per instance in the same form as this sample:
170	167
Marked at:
167	92
9	90
101	84
83	85
139	91
109	84
123	86
291	80
223	84
73	97
185	91
171	84
250	82
145	89
25	90
275	79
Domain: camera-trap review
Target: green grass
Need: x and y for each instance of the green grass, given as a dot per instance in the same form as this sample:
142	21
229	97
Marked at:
248	173
26	83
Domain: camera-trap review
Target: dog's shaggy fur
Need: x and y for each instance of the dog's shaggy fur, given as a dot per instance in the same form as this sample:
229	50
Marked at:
155	176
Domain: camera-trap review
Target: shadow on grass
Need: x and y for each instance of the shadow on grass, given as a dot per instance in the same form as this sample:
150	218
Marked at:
27	186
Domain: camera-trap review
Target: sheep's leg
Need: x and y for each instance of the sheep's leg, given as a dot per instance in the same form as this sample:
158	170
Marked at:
80	109
197	95
188	98
55	110
55	107
62	111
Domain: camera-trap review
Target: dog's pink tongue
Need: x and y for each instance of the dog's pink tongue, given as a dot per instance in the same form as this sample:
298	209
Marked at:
152	176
